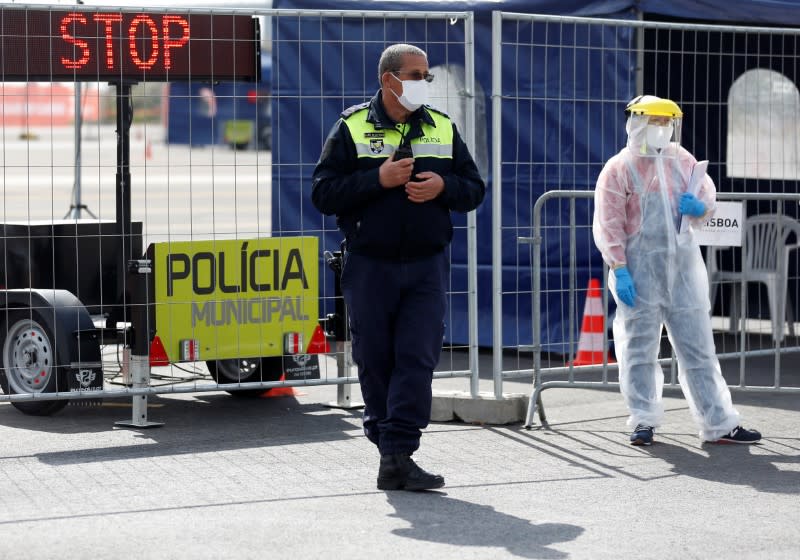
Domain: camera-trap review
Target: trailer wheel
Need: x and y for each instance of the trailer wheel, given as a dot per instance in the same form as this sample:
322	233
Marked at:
29	363
246	370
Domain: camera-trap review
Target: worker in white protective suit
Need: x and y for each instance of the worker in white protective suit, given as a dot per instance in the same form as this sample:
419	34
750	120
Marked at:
658	276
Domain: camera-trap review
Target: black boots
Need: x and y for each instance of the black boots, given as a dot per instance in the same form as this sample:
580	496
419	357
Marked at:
400	472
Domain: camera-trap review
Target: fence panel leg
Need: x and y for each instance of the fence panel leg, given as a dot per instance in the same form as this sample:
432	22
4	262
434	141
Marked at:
344	365
140	375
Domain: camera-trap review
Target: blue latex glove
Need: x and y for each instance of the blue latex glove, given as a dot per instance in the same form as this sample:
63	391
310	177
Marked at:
625	290
691	206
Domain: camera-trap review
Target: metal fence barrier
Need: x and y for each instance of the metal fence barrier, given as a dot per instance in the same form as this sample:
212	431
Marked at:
559	88
220	176
752	339
99	204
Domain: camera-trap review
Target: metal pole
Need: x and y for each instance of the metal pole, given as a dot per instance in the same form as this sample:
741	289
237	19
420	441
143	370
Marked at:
140	376
535	401
75	209
341	332
140	272
123	191
344	365
26	134
472	231
77	205
497	246
134	303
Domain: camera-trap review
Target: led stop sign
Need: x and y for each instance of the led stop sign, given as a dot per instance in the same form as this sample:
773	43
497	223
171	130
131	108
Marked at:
116	46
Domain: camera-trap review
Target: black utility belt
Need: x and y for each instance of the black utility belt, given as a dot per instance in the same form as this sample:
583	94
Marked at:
395	257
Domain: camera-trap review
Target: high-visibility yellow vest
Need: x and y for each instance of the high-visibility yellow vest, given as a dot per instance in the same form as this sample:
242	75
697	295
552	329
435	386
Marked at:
371	142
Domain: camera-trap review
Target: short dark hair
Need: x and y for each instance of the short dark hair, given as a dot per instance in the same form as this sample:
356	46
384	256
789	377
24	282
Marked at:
392	58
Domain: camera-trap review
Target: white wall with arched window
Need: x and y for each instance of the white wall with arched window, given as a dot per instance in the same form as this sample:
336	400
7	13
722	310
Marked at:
763	127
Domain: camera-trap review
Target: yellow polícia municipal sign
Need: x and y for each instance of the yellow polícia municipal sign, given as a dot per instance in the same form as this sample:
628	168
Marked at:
237	298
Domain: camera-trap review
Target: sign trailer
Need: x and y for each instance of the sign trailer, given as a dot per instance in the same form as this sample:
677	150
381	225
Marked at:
247	307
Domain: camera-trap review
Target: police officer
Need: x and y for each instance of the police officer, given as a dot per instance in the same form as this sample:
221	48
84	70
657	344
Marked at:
392	170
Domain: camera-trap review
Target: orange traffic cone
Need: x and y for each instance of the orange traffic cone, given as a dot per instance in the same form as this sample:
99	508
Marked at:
280	391
590	344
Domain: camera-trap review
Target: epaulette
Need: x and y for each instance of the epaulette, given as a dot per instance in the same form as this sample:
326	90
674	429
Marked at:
435	110
350	110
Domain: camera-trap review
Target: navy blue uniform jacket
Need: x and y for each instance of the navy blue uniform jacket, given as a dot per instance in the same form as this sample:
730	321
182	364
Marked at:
380	222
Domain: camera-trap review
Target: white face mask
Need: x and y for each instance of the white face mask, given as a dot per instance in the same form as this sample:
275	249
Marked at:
415	93
658	137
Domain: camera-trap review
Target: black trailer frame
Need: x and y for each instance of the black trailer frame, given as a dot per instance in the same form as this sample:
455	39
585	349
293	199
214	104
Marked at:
225	47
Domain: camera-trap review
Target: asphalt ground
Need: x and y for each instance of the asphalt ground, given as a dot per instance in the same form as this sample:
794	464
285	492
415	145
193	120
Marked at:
289	477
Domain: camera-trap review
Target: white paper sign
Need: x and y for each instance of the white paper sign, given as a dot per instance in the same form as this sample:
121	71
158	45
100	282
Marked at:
698	174
724	229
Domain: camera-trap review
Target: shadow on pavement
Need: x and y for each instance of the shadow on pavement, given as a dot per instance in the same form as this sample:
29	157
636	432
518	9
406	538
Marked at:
202	422
435	517
734	464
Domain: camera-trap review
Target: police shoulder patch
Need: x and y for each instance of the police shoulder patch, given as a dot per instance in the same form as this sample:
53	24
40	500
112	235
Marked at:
354	109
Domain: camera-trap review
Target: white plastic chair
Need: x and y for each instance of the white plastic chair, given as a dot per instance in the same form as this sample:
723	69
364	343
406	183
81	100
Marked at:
765	258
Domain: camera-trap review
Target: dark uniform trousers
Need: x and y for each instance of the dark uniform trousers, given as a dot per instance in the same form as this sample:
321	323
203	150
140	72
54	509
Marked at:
396	310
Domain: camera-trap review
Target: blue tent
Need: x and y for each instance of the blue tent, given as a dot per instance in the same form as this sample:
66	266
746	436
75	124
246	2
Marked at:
307	102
